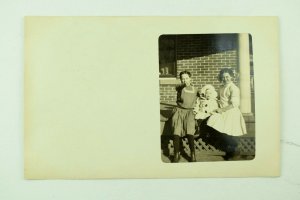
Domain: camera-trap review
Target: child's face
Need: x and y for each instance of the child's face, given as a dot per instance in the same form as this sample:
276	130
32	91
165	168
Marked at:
208	94
227	78
185	79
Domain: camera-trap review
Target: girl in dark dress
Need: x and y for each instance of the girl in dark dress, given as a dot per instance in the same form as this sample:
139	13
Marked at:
183	119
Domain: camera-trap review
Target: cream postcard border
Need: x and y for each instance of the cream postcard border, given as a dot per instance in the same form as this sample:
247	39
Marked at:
92	97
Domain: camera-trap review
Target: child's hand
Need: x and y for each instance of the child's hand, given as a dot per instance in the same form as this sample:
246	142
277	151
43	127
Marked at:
219	110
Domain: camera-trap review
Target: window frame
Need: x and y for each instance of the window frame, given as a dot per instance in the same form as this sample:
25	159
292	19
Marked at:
174	75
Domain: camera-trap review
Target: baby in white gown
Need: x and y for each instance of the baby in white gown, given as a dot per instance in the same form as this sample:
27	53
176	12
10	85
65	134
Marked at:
207	103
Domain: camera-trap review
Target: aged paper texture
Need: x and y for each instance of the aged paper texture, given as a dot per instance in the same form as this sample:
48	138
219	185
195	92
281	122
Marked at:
92	97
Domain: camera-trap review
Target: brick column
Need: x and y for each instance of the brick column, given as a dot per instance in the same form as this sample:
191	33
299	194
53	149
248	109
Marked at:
244	71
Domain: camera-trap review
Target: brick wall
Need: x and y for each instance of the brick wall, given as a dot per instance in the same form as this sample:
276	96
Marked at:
203	56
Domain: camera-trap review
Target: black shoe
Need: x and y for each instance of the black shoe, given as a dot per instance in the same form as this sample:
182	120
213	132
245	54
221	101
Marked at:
176	158
228	155
193	157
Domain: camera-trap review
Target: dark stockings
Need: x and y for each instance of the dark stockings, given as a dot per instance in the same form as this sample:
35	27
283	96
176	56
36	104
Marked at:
192	147
191	142
176	143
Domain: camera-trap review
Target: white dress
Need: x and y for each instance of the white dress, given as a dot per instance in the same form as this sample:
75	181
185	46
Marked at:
231	121
204	108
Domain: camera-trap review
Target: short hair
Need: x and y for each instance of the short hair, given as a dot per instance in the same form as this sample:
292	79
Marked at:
223	71
185	72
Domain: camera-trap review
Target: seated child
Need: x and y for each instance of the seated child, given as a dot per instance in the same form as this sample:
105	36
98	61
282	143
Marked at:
207	103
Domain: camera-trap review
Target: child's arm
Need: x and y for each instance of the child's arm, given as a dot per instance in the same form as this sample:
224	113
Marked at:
178	98
224	109
197	106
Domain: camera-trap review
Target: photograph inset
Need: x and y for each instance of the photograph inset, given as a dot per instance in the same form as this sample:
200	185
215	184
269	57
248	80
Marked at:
207	108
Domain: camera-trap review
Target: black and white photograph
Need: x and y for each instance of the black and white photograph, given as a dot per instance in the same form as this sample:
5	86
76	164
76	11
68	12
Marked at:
207	104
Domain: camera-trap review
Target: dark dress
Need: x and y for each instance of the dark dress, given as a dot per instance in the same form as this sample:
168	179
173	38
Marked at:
183	119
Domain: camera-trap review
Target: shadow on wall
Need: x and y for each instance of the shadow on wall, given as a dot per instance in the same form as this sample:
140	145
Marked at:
190	46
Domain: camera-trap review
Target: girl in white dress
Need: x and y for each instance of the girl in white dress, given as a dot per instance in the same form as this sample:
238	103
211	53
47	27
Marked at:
222	127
